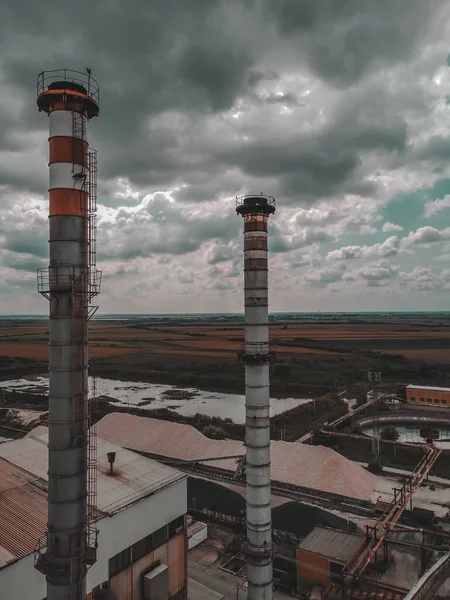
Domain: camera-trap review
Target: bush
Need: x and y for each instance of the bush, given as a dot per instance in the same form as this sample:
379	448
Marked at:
281	370
213	432
389	433
374	468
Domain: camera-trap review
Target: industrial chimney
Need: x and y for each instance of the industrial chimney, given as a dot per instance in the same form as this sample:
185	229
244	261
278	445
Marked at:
70	99
256	355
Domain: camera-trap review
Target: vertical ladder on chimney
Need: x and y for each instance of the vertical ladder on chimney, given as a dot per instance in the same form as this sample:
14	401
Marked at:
90	426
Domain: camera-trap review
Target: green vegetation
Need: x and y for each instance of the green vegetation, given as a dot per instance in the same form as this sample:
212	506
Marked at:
213	432
374	468
389	433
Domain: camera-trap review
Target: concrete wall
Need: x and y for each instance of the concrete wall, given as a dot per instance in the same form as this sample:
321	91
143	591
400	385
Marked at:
21	580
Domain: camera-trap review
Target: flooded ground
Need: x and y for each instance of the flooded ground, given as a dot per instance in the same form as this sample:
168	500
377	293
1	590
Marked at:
184	401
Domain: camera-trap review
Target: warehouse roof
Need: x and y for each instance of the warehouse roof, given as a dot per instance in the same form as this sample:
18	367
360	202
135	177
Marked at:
411	386
314	467
23	488
331	543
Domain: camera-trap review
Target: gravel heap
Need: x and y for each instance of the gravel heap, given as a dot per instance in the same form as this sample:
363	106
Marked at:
303	465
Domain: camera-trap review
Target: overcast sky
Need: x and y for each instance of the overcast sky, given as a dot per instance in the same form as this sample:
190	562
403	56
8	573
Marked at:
338	108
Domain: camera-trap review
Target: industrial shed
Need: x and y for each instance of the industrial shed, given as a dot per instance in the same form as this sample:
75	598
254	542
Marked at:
322	555
427	395
141	519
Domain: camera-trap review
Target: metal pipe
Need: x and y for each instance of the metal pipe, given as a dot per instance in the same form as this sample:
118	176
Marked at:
67	285
256	354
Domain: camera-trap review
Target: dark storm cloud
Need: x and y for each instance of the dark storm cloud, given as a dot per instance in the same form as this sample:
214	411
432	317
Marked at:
199	58
149	59
16	237
343	40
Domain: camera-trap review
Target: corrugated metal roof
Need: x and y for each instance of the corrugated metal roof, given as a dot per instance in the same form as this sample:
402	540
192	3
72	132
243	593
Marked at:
331	543
23	511
11	477
5	557
23	488
303	465
27	453
134	476
427	387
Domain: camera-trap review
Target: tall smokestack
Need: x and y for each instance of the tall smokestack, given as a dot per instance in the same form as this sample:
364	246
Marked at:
256	354
70	99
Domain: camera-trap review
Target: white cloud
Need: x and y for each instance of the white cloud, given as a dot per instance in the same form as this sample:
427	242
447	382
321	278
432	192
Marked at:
391	227
389	247
431	208
323	277
378	273
426	235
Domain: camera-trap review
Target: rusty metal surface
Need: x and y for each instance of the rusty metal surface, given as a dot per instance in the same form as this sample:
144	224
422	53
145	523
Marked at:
122	584
127	584
23	512
336	545
11	477
23	489
177	548
134	476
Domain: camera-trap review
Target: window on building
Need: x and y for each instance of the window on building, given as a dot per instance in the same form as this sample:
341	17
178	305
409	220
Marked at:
436	400
422	399
176	526
144	546
443	401
139	549
119	562
430	400
412	398
160	537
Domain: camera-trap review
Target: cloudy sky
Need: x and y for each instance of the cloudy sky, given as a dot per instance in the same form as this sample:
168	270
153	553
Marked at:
338	108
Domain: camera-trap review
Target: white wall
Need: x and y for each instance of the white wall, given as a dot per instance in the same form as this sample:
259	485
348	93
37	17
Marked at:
21	580
129	526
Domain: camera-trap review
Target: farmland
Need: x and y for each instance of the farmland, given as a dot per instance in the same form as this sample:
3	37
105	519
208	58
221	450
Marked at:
313	357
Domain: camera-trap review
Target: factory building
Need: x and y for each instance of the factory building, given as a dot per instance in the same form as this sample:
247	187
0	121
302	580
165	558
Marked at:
322	555
140	515
427	395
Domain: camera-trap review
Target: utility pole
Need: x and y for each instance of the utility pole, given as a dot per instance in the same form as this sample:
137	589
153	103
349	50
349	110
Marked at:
375	378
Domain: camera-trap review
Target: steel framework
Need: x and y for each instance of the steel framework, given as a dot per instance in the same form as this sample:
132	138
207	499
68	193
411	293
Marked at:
363	557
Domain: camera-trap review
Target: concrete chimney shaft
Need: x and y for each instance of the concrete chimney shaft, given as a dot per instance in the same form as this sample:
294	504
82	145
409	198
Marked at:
255	210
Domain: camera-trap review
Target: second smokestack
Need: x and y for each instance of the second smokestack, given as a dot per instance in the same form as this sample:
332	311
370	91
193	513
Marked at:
255	210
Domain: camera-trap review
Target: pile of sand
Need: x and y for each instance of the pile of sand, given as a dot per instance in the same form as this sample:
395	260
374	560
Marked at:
314	467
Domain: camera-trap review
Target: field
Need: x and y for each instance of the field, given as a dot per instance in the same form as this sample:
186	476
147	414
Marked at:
313	356
40	351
